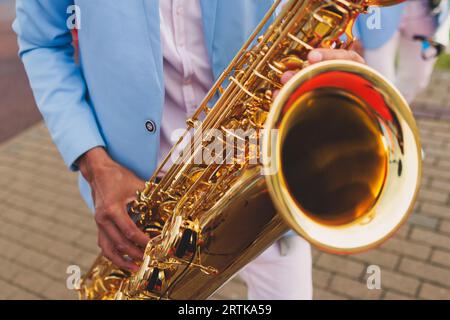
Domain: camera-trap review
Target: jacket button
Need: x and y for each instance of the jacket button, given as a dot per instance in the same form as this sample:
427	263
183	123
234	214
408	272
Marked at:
150	126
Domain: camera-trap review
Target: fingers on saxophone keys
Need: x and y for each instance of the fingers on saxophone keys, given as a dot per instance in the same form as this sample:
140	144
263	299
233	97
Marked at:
123	245
284	79
318	55
113	255
287	76
132	233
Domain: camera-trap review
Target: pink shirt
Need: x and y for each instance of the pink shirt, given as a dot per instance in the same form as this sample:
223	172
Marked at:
187	71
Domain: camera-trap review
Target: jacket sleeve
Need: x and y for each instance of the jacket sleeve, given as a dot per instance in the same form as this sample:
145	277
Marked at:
45	47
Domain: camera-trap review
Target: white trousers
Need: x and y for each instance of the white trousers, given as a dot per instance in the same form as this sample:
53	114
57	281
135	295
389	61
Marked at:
274	276
412	73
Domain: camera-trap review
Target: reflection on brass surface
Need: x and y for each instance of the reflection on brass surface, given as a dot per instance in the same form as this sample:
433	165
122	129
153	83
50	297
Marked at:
337	173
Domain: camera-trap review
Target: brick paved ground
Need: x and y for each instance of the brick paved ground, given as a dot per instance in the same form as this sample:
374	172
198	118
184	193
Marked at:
46	227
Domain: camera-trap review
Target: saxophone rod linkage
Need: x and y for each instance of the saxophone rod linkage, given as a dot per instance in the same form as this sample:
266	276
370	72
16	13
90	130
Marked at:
222	78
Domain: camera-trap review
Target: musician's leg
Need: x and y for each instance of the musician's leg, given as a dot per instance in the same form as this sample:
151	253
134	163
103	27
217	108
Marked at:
273	276
382	59
414	72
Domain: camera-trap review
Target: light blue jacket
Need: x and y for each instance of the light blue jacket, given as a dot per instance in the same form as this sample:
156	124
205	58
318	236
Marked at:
119	85
390	18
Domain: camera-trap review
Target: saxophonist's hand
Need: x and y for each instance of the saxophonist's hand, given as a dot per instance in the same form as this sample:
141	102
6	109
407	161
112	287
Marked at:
113	187
318	55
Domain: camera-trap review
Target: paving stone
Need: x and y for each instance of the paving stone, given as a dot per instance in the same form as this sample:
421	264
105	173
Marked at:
31	280
432	195
423	221
431	237
24	295
432	292
398	282
86	259
341	265
441	185
407	248
441	257
321	279
436	210
7	290
396	296
59	291
422	270
378	257
403	231
321	294
445	226
353	289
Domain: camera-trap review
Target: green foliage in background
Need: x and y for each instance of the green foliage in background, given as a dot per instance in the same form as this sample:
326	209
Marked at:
443	62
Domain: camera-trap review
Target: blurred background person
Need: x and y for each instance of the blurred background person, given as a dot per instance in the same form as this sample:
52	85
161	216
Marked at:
405	43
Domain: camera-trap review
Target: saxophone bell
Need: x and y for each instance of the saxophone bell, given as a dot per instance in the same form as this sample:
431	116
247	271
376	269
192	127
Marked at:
347	154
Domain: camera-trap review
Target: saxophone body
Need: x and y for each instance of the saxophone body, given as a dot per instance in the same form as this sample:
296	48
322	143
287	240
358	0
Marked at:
335	156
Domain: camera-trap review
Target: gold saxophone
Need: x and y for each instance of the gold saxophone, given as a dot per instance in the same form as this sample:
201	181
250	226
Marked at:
335	156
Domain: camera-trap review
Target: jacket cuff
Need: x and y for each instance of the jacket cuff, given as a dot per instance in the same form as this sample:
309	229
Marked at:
76	140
